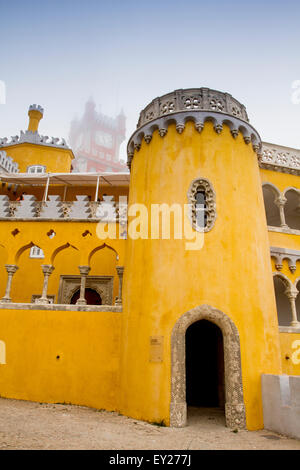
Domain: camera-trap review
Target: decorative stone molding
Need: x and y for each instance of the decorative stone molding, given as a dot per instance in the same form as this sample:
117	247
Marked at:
234	406
279	158
61	307
192	99
68	285
202	184
54	209
34	138
279	254
80	209
7	164
199	118
4	206
26	208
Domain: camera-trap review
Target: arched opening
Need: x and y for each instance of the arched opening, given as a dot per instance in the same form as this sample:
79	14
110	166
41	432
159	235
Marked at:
204	365
292	209
284	312
298	299
91	296
235	416
272	210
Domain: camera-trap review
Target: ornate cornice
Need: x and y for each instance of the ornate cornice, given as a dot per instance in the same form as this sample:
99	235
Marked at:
279	158
193	104
34	138
192	99
219	119
280	254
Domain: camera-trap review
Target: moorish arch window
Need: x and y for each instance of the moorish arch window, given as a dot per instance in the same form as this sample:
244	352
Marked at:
271	195
292	208
284	311
202	205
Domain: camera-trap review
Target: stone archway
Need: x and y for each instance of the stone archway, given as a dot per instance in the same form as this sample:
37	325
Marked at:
234	407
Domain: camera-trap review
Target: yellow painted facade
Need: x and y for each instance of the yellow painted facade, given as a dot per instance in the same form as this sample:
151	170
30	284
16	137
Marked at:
104	357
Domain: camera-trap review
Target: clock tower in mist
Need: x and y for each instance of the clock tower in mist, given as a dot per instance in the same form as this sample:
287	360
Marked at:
96	139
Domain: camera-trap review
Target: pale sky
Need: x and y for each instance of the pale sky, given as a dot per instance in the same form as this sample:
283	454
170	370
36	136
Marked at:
125	53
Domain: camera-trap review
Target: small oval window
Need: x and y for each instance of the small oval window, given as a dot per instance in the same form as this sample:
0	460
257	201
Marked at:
202	205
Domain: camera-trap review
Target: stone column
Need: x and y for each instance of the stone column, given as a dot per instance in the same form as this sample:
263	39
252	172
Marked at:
292	298
120	271
11	269
280	202
84	270
47	271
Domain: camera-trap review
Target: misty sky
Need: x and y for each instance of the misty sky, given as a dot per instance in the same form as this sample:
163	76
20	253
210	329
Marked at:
125	53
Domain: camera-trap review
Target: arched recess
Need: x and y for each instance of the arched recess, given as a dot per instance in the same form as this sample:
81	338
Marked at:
292	208
270	194
101	247
297	285
59	249
283	286
24	248
234	407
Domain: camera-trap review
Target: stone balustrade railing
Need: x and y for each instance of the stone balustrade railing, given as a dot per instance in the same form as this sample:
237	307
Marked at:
279	158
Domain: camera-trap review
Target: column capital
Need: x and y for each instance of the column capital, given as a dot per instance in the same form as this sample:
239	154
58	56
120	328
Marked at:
120	270
47	268
11	268
292	294
280	200
84	270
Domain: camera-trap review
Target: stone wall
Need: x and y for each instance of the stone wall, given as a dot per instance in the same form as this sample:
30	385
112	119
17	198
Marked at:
281	403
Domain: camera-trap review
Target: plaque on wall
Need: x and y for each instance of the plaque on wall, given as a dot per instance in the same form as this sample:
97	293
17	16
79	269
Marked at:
156	348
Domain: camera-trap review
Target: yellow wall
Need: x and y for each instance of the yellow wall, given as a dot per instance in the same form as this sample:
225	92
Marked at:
232	272
87	372
281	180
28	279
290	353
55	159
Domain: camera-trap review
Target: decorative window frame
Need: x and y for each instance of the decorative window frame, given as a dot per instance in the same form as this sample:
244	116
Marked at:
35	168
202	184
68	285
36	252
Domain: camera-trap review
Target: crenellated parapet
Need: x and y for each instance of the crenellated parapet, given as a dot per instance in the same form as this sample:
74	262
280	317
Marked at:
198	105
31	135
7	164
34	138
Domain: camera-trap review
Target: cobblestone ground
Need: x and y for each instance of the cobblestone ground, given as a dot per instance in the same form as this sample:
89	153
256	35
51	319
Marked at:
27	425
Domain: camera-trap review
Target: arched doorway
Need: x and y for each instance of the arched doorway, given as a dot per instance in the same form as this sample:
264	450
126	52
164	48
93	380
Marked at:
91	296
204	365
234	398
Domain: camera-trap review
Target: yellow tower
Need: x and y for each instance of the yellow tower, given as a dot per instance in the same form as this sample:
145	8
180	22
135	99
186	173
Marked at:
36	153
200	314
35	114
